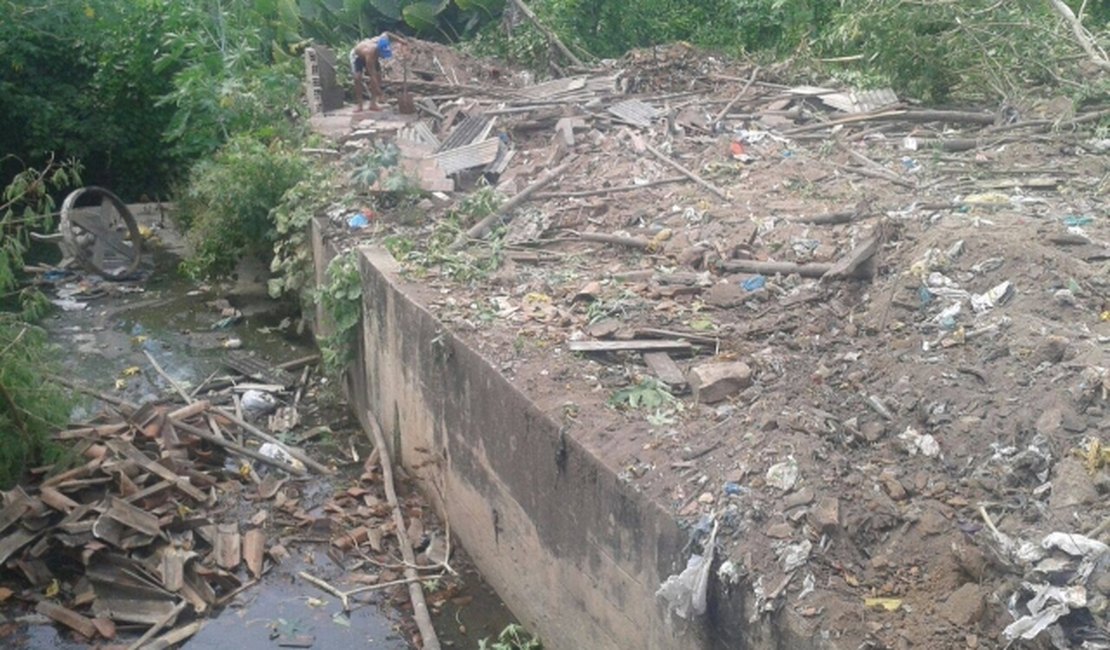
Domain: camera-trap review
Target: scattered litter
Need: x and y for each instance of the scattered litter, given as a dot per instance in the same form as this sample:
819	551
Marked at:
357	221
754	283
888	604
686	593
795	556
270	450
982	303
69	304
784	475
257	404
915	443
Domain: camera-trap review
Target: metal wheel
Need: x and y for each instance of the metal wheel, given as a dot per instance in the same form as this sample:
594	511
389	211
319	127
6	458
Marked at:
104	240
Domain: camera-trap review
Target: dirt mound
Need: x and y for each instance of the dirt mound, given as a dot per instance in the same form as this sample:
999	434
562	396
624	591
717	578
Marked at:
917	299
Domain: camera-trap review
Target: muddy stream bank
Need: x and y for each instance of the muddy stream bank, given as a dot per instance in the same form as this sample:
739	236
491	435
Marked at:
189	330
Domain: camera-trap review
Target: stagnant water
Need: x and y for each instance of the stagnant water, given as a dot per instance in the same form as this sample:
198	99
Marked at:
172	320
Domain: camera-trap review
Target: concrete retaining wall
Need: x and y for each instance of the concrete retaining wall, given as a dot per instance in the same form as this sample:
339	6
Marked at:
576	554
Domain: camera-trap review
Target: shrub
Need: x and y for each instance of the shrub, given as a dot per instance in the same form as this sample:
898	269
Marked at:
31	409
226	206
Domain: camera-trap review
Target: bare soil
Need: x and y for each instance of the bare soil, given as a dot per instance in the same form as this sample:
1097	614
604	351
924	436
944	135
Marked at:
845	372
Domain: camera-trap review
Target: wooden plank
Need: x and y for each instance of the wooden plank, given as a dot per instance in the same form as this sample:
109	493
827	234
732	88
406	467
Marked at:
57	500
848	265
67	617
175	636
656	333
172	568
132	517
632	345
663	366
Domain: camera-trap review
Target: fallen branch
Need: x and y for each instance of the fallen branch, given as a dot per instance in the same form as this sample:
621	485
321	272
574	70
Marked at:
686	172
609	190
103	397
265	437
416	592
638	243
814	270
176	386
345	596
551	37
830	219
480	229
239	449
169	618
732	102
1082	36
875	173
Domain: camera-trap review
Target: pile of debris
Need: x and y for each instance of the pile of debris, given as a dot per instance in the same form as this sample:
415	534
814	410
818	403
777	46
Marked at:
165	512
145	530
899	302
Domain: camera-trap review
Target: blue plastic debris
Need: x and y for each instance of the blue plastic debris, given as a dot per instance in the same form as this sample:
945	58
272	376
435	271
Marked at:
755	283
925	296
357	221
733	489
1075	221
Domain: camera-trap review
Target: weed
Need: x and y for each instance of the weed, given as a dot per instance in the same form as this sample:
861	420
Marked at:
292	261
513	637
648	393
31	409
438	253
341	298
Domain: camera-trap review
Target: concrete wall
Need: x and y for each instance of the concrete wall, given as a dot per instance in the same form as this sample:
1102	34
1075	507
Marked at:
575	553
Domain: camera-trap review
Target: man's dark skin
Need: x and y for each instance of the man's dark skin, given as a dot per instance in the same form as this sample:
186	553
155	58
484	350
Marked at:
366	61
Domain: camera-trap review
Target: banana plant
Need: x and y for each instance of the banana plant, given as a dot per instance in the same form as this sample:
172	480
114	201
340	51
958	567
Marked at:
424	16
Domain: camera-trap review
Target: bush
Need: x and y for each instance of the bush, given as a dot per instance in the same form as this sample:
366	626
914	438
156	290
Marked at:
227	204
31	409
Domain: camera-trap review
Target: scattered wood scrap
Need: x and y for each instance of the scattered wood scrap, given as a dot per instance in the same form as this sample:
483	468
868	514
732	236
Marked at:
634	345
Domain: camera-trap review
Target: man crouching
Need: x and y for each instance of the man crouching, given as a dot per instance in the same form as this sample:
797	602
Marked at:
366	66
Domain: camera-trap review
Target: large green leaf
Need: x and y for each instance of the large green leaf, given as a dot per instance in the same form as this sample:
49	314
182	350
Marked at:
486	6
388	8
423	16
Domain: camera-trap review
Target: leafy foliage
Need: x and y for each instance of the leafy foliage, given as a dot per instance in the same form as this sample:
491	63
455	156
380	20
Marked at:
975	49
437	251
341	298
227	203
31	408
648	393
27	205
292	261
513	637
929	50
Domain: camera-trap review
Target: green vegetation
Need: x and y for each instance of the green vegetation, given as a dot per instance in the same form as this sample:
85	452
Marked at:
292	261
438	251
935	51
341	298
226	205
513	637
31	408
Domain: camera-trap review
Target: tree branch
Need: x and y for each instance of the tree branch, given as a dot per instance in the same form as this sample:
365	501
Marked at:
1082	36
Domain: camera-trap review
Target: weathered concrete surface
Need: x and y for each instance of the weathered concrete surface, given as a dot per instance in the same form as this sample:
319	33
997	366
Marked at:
575	553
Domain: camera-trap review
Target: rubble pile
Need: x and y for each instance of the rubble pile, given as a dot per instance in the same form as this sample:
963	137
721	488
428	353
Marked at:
167	511
864	341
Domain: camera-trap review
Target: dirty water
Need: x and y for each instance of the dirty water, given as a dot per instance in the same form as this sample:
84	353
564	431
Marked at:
175	323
